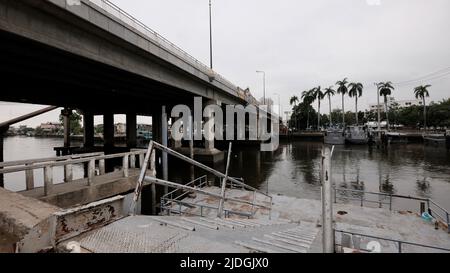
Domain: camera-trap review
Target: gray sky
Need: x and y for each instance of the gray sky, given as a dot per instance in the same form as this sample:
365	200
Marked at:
302	44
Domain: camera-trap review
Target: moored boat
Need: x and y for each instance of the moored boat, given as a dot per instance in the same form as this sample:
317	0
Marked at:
357	135
334	137
434	139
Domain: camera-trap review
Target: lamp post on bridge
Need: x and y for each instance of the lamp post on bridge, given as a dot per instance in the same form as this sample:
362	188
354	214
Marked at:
210	36
264	84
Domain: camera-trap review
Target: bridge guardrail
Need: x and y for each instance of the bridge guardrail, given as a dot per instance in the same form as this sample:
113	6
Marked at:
117	12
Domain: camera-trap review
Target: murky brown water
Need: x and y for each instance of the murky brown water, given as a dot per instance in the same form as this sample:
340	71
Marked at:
293	170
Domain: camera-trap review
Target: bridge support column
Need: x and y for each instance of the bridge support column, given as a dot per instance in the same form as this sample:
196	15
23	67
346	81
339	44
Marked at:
88	124
209	143
66	113
131	124
176	143
108	131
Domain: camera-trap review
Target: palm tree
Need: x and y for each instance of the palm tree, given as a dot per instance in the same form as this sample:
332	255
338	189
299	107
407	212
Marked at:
386	89
356	90
422	92
318	95
307	100
294	100
329	92
343	90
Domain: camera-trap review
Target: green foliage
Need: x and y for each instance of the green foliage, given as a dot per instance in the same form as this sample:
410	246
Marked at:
75	122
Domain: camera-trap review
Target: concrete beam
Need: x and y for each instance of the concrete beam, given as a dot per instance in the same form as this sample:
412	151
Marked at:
88	124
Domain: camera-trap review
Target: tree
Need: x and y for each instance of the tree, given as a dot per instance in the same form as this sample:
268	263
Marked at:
307	100
293	100
356	90
343	90
317	94
422	92
329	92
386	90
74	122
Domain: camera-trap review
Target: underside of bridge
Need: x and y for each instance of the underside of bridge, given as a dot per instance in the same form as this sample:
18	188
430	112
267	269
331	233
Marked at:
39	74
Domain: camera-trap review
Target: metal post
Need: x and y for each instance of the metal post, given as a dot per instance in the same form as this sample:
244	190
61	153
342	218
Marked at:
448	221
2	179
191	147
362	200
379	114
224	183
327	204
399	247
210	36
164	128
390	202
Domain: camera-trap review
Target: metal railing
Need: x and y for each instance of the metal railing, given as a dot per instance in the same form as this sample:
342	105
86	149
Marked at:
432	207
90	161
173	202
179	194
399	243
154	37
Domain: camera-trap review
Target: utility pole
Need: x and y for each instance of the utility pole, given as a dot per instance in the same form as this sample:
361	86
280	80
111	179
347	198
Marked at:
264	85
378	111
210	36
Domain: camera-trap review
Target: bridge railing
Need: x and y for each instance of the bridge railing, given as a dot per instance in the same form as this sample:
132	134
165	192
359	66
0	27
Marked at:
90	161
117	12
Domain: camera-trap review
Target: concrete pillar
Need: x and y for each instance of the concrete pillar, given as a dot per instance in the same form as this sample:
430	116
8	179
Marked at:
66	113
108	131
88	124
176	143
131	130
209	144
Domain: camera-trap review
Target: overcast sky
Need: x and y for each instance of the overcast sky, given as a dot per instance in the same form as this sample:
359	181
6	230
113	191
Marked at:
302	44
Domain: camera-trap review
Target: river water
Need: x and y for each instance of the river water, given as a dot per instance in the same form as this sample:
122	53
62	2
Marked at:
294	170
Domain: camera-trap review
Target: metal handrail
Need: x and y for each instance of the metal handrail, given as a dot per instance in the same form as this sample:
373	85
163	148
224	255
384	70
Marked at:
428	201
201	206
109	7
399	242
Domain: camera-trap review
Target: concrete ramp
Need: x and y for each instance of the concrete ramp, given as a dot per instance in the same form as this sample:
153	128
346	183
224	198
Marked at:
178	234
24	223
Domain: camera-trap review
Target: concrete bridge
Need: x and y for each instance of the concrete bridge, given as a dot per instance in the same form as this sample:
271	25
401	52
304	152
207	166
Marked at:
94	57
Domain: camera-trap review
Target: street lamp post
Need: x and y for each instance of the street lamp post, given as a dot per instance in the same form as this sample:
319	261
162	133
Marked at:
264	84
378	110
279	105
210	37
